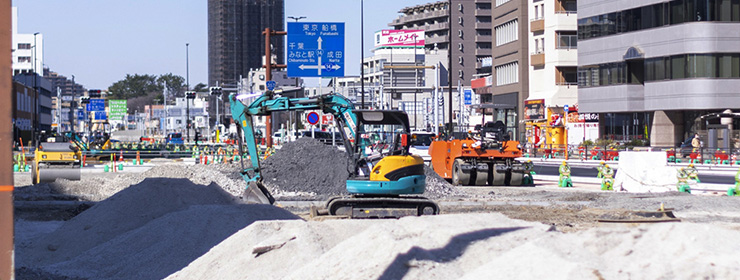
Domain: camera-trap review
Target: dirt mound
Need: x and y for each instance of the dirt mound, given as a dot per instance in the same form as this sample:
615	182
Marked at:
146	231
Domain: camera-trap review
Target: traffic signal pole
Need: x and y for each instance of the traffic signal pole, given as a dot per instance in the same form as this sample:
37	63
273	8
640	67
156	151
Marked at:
268	76
6	154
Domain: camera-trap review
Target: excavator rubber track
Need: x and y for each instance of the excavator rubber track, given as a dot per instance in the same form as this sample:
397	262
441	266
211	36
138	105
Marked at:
380	206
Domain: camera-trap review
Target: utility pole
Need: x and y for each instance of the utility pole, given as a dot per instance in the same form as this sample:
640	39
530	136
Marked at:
362	51
73	105
187	96
7	266
449	69
268	76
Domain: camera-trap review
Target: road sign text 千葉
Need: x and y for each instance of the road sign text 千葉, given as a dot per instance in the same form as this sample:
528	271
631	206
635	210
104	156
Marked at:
315	49
95	105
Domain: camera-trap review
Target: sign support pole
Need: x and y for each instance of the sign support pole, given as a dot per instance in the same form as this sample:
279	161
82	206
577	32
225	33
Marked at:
268	77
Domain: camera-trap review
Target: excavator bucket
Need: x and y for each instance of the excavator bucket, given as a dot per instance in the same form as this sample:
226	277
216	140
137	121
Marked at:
256	193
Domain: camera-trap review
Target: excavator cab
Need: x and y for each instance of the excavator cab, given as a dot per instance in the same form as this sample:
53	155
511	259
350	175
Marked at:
384	165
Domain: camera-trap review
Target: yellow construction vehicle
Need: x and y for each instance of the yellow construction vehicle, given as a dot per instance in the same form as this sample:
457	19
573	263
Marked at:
55	158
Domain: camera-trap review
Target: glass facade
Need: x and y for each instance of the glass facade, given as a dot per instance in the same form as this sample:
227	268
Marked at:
676	67
657	15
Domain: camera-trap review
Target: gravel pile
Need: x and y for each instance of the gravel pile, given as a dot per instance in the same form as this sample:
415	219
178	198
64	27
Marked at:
307	165
438	187
146	231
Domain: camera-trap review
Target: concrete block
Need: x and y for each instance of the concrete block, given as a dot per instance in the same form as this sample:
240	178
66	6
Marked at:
644	172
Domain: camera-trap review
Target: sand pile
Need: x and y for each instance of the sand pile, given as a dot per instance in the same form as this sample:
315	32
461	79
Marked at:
146	231
99	187
468	246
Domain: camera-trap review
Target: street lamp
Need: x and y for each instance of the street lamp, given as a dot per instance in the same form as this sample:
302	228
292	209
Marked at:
36	89
296	18
187	97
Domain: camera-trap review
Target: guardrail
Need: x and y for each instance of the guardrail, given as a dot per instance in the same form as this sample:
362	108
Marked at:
675	154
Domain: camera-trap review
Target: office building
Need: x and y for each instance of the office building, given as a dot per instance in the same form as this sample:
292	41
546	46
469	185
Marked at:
651	69
235	40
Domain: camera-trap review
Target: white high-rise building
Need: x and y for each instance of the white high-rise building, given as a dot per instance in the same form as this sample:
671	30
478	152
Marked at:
27	49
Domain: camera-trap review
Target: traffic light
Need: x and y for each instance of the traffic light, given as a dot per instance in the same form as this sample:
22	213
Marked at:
84	100
94	93
215	90
190	94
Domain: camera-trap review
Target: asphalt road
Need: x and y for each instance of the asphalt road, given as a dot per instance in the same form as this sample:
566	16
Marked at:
591	172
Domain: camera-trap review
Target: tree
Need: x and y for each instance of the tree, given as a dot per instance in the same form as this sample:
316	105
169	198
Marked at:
134	86
175	84
200	87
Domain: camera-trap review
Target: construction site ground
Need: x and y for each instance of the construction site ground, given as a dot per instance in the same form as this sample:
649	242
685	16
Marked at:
176	220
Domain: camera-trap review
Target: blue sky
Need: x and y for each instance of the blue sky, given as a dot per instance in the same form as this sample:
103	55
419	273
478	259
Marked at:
100	41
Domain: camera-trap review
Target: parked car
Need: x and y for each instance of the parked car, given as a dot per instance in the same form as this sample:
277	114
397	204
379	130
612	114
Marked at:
420	142
175	138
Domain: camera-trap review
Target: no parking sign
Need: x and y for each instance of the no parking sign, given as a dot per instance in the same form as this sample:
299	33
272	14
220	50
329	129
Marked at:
312	118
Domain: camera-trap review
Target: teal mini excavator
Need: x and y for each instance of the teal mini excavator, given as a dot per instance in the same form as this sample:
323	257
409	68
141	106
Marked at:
385	180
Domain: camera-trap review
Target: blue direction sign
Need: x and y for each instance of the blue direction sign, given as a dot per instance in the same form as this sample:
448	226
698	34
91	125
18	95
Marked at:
80	115
96	105
271	85
315	49
468	96
312	118
99	115
565	108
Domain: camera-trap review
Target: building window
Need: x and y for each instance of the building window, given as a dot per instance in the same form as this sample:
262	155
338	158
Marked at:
460	7
676	67
657	15
24	59
567	39
507	32
460	60
501	2
460	33
539	45
507	73
460	20
26	46
460	73
566	76
460	46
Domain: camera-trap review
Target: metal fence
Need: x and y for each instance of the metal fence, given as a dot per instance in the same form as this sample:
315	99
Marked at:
676	154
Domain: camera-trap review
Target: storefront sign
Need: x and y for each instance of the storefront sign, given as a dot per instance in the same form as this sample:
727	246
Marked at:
534	109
